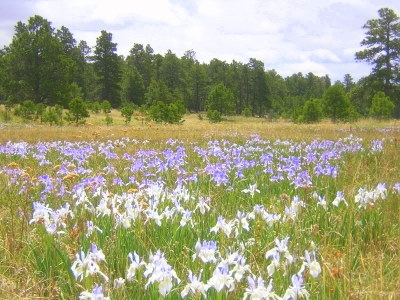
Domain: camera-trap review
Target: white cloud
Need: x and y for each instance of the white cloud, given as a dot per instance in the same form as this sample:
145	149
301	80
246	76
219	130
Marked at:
288	35
324	55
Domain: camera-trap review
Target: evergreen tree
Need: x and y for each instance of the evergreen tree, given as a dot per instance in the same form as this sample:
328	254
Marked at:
132	86
221	99
107	65
312	111
142	59
348	82
382	108
126	113
258	86
171	71
382	44
337	104
278	92
36	65
158	91
77	111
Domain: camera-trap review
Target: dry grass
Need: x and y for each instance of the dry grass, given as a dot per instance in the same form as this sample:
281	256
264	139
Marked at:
193	129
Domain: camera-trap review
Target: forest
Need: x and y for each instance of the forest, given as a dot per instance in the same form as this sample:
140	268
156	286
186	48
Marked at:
44	70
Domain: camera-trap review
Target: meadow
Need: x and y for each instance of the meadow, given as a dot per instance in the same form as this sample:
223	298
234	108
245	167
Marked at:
244	209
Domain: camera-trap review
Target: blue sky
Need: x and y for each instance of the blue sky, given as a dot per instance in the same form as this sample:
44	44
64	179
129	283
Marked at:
289	36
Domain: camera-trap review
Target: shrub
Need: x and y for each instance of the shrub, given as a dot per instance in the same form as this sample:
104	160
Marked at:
6	114
94	107
77	111
39	110
106	107
247	112
338	105
167	113
312	111
59	110
108	119
126	113
51	116
382	107
214	116
26	109
221	99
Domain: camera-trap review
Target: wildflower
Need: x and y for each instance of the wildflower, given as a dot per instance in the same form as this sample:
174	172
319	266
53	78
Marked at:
322	202
362	198
339	198
221	278
186	217
336	273
135	264
274	253
292	211
396	187
41	213
124	220
161	272
239	266
223	226
259	291
195	286
96	294
205	251
152	214
313	265
251	190
381	190
90	227
49	218
168	212
376	146
87	264
241	220
119	282
296	290
202	205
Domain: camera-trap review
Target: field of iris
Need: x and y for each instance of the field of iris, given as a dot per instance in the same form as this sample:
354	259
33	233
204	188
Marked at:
235	216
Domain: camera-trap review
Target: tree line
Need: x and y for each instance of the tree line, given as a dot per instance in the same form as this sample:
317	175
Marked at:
48	67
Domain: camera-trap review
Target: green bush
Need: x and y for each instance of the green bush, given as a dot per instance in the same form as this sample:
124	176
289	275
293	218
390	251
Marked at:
106	107
337	105
221	99
39	110
94	107
167	113
26	109
126	113
51	116
312	111
108	119
247	112
214	116
382	107
77	111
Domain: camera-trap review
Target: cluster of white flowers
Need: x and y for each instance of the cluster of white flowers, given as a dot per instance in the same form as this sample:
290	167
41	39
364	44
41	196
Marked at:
88	264
366	198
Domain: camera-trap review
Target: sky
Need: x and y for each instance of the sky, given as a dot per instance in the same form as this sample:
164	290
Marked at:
290	36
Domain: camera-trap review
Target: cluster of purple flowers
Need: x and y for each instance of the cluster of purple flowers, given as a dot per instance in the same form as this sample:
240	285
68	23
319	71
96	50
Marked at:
107	182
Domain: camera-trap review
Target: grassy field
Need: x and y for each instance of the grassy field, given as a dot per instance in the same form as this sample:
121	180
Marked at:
242	209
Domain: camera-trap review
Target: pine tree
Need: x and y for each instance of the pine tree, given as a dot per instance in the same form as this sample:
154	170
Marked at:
107	65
